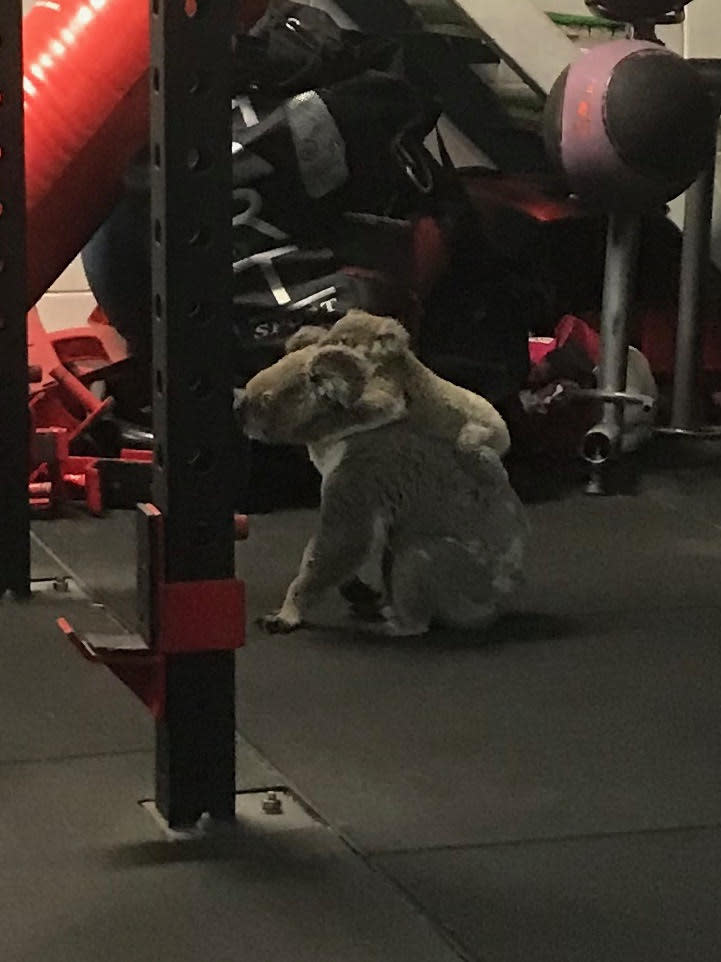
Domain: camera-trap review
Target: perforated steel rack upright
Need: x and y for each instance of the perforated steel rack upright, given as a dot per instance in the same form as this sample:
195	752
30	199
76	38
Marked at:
192	404
14	419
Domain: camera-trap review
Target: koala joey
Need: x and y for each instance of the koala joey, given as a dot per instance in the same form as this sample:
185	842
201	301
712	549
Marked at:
439	407
455	537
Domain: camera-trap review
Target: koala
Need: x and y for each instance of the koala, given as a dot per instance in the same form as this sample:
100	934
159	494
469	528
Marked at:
455	537
441	408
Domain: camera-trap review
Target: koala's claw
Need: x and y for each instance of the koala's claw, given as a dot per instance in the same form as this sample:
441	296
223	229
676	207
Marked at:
275	624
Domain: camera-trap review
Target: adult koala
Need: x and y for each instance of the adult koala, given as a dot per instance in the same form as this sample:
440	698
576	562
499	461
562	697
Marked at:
452	526
435	405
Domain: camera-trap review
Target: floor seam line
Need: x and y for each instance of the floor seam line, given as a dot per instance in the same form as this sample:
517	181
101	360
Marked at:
81	756
542	840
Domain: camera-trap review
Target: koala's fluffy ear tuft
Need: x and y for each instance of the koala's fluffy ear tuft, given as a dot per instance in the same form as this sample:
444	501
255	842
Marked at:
338	374
378	337
392	337
304	337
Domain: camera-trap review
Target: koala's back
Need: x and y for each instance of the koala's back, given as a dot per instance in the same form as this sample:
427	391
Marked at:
416	484
448	407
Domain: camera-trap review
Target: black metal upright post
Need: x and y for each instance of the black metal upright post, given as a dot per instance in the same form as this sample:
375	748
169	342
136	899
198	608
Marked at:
192	400
14	422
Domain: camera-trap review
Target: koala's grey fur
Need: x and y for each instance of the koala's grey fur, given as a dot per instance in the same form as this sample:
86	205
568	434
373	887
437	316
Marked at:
456	542
454	530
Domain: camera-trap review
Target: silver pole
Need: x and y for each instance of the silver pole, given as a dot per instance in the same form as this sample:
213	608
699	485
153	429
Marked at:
622	245
694	271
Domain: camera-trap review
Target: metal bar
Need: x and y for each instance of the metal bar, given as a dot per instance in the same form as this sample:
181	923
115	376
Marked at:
192	387
622	247
695	257
14	418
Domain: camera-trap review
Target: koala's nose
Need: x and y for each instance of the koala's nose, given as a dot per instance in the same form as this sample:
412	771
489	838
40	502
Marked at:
239	404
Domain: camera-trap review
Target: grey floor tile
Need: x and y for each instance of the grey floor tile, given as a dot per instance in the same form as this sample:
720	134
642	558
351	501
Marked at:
86	874
642	898
571	729
586	556
52	702
42	564
253	771
271	555
592	555
100	552
593	709
564	720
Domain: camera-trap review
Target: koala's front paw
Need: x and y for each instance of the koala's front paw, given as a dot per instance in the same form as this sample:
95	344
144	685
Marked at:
278	624
472	436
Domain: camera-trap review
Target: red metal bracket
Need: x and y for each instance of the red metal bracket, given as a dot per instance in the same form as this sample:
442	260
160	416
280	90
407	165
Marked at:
187	616
129	659
173	618
200	616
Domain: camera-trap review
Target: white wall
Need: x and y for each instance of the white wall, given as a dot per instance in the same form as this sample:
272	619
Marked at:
703	29
671	36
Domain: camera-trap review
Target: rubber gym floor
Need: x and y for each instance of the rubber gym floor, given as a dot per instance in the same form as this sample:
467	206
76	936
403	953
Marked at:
551	791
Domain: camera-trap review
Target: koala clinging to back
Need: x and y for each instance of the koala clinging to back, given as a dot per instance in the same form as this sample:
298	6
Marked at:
454	533
437	406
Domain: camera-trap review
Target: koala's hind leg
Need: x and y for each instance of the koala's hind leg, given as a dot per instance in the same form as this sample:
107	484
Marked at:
411	605
483	464
368	592
437	580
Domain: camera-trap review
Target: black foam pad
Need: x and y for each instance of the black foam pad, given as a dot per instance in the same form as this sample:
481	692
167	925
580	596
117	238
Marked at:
632	11
658	115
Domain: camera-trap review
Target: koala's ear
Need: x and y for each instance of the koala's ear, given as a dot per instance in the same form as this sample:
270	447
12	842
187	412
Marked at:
338	374
391	338
378	337
304	337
